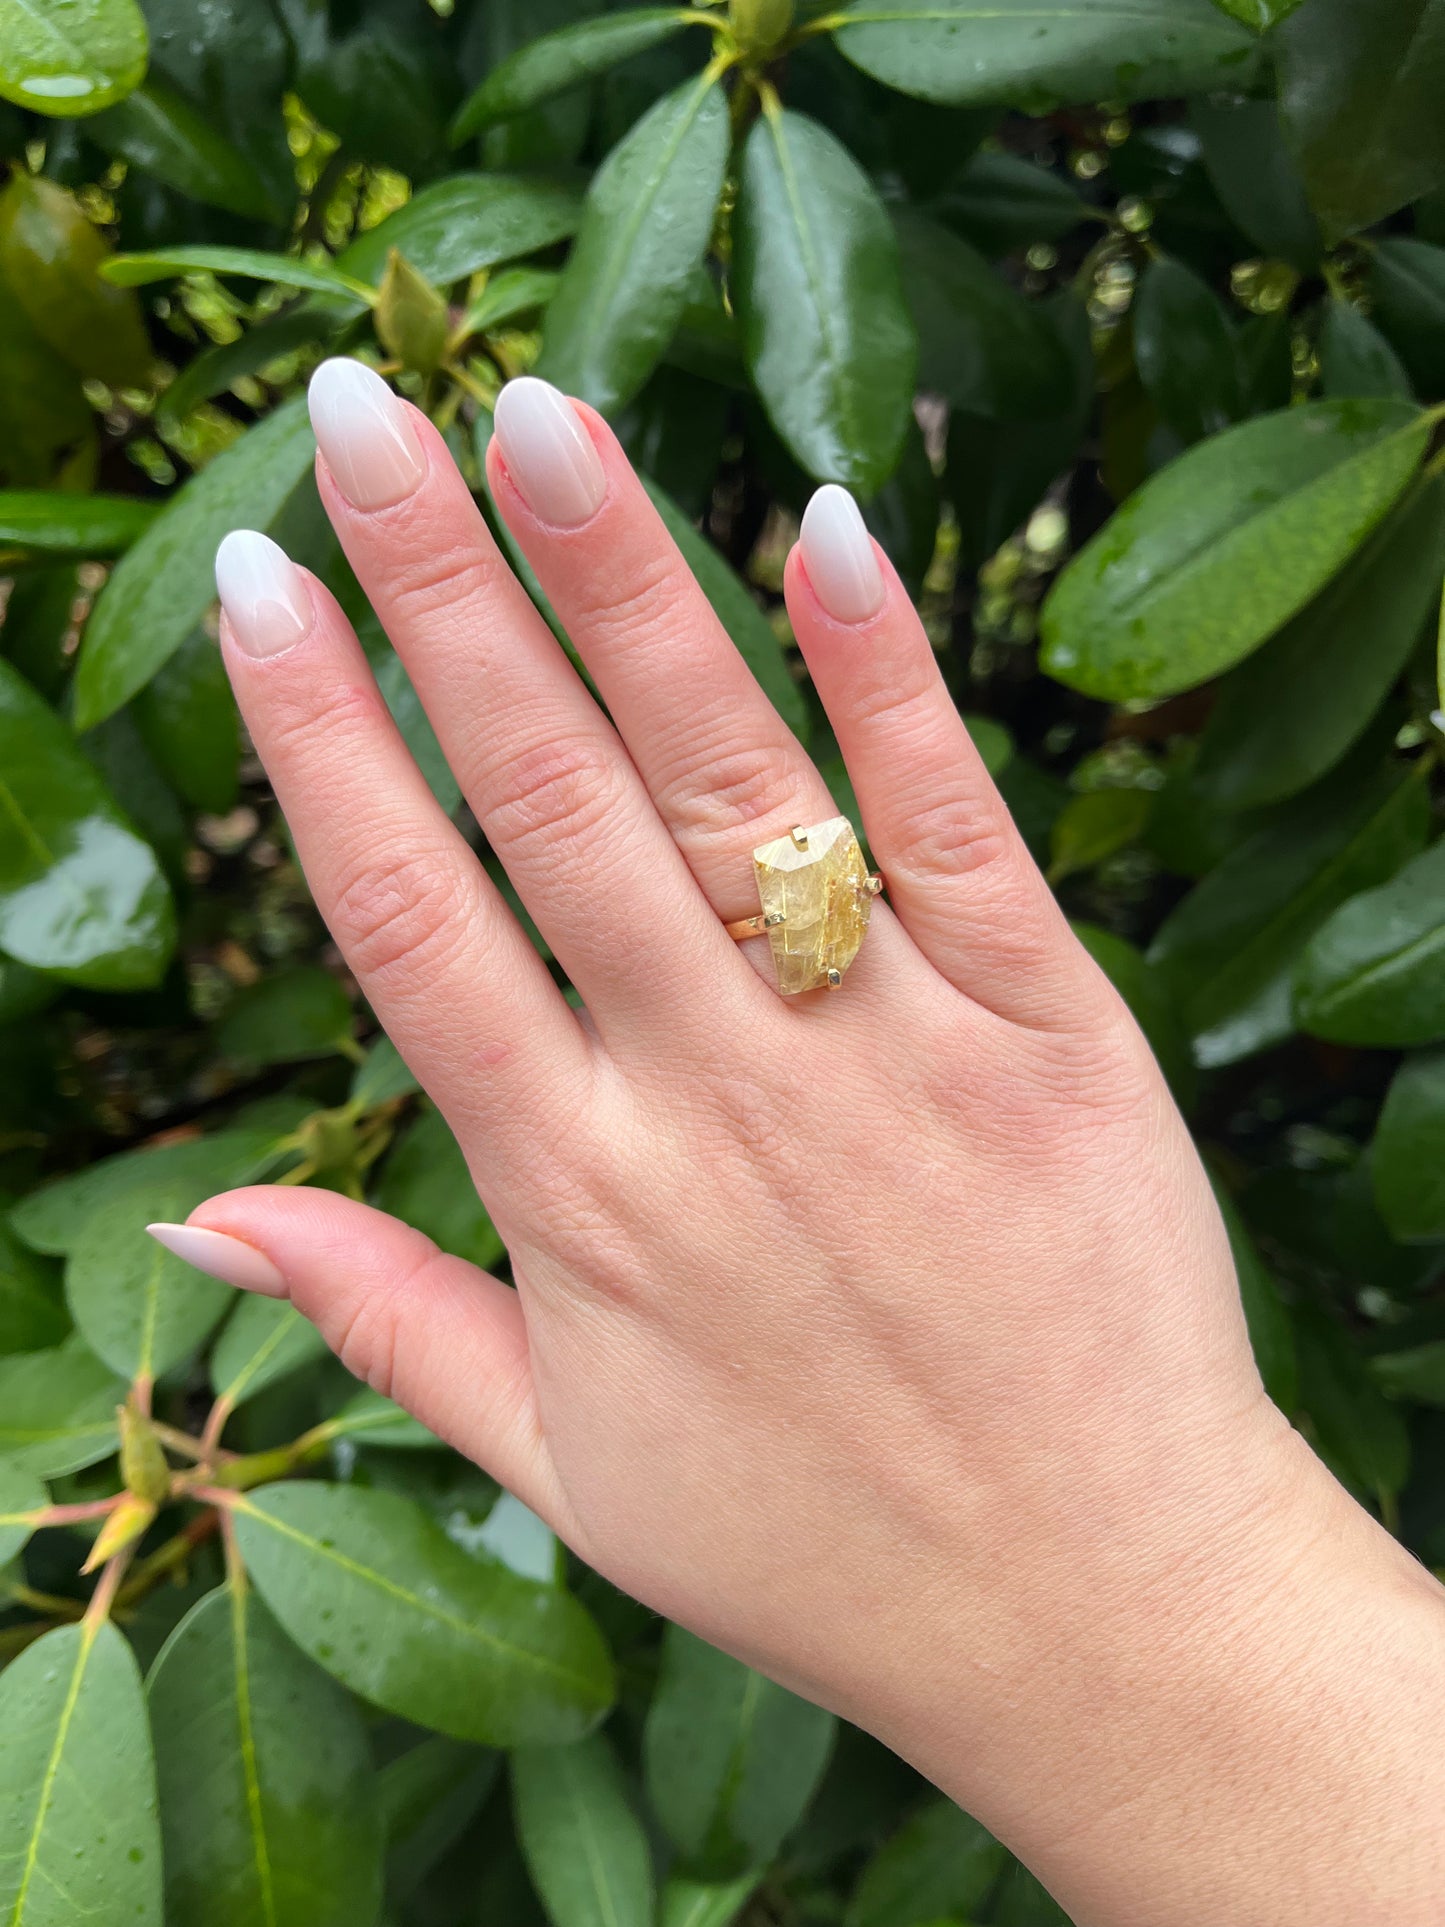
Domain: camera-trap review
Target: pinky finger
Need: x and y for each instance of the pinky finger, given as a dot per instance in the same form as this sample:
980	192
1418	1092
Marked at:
446	1340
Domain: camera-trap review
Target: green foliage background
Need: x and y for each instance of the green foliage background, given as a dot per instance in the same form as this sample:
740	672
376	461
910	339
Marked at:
1127	325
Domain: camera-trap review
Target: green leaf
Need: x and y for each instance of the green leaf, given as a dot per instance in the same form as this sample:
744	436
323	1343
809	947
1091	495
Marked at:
277	270
379	1596
187	718
1289	712
1259	14
1271	1335
583	1843
369	1419
1407	287
268	1800
560	60
52	257
1417	1375
55	1217
508	297
73	60
1008	53
1185	352
163	586
1407	1158
699	1903
939	1862
429	1794
382	1077
80	894
425	1183
32	1313
1094	826
263	1340
467	222
224	363
79	1837
1360	94
980	343
21	1495
301	1012
89	527
819	299
1374	973
1225	544
737	610
1355	358
1357	1431
1143	989
645	227
138	1307
999	202
1229	950
57	1410
162	133
1254	174
731	1760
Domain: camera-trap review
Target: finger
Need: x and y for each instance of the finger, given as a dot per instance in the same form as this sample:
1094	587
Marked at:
444	1339
442	961
724	770
542	768
958	872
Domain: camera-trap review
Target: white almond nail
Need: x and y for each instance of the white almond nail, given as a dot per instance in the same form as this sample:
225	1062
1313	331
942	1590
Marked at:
221	1256
548	453
838	555
263	593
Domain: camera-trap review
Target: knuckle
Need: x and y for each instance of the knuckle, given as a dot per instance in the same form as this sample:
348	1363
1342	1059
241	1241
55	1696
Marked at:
952	836
643	613
405	918
553	793
337	717
720	788
428	581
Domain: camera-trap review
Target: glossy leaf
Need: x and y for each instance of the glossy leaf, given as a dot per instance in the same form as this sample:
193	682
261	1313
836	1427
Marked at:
57	1410
704	1903
962	55
980	344
382	1077
1255	176
584	1846
1374	974
645	227
379	1596
32	1312
425	1183
1142	987
80	894
509	297
225	363
429	1794
186	716
1095	826
138	1307
21	1496
79	1837
89	527
1259	14
941	1862
73	60
301	1012
737	610
1271	1335
1408	1155
163	586
731	1760
816	285
277	270
1185	351
1407	287
52	257
999	202
1417	1374
560	60
1213	554
1230	949
1355	358
263	1340
470	221
1289	712
268	1800
1360	95
158	129
369	1419
1355	1428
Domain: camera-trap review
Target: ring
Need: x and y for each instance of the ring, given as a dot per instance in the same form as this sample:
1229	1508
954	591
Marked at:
816	895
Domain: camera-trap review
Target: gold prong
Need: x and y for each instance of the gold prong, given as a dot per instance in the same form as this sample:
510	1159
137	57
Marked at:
771	921
835	977
799	836
874	885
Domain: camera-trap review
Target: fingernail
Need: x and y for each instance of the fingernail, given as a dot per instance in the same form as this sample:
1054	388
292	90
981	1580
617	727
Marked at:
838	555
263	593
220	1256
364	434
549	452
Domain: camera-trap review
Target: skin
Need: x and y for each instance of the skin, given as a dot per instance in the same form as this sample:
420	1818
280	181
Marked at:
888	1338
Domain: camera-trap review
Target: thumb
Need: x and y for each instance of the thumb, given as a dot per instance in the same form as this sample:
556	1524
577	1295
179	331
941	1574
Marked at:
445	1339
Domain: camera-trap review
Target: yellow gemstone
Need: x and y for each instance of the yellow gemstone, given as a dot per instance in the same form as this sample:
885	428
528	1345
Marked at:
815	884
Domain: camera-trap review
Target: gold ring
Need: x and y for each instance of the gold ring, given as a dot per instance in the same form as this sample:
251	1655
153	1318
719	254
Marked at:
816	896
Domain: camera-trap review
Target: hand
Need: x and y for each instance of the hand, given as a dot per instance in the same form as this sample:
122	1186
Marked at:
888	1337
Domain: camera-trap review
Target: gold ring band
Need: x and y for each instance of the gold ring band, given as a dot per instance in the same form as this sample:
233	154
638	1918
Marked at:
816	894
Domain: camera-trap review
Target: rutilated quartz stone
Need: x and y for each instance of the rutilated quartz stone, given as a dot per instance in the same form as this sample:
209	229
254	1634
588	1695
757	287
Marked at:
816	881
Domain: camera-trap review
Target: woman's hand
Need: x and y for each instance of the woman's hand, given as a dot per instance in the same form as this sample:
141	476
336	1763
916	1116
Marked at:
888	1337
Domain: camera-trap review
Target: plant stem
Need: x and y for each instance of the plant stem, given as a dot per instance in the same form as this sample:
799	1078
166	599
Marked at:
164	1560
